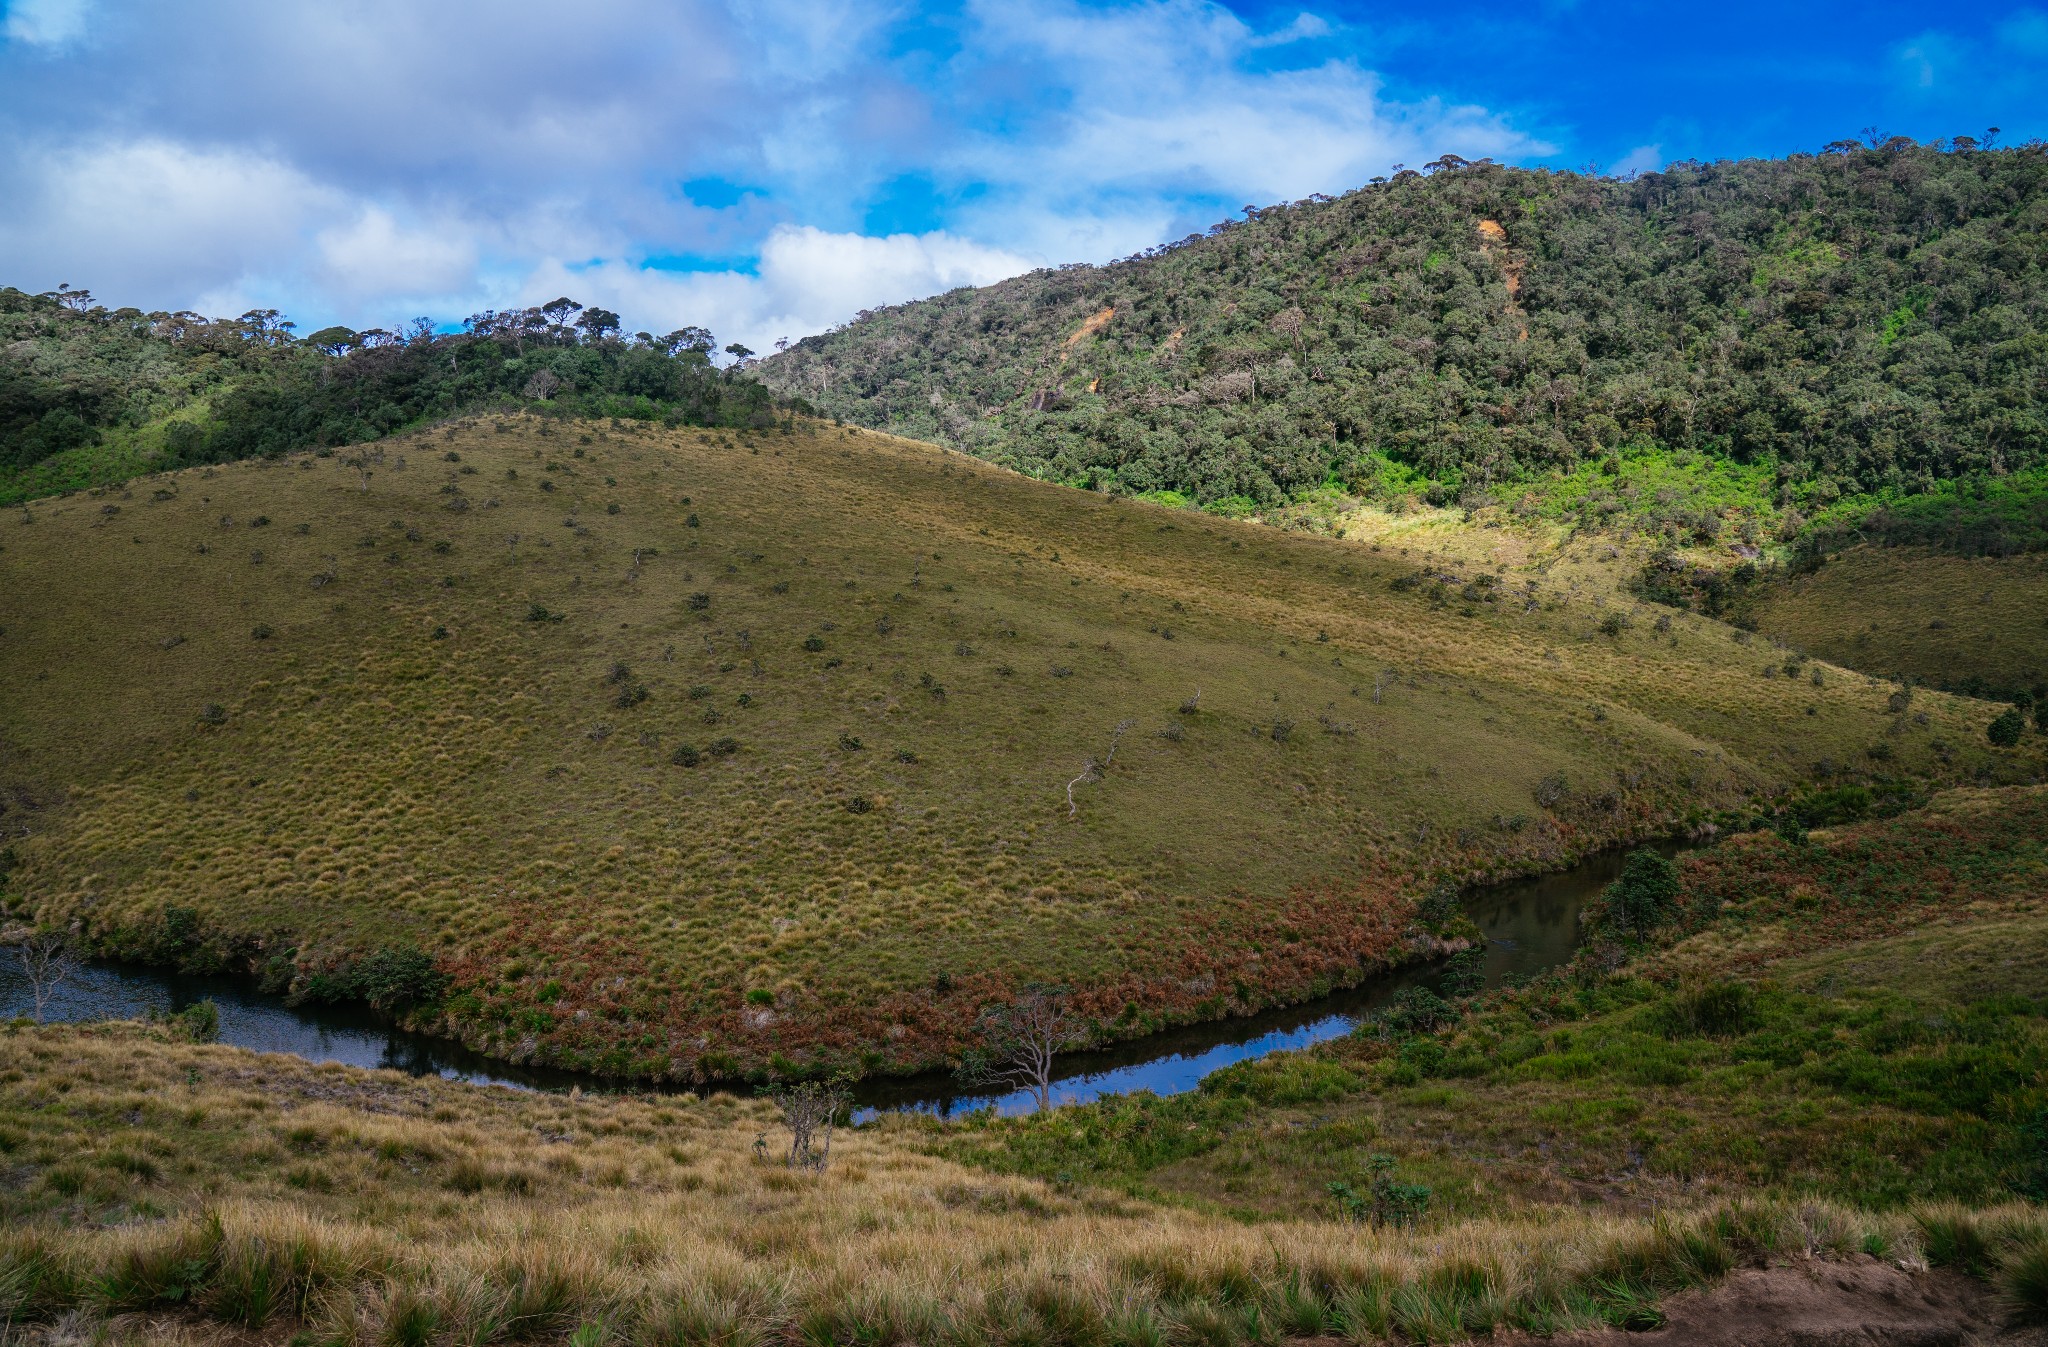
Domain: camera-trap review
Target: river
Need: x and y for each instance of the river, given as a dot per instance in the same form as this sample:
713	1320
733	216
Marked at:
1531	925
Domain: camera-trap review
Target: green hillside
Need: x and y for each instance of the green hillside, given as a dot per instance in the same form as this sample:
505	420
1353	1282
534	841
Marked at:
1860	320
91	395
686	752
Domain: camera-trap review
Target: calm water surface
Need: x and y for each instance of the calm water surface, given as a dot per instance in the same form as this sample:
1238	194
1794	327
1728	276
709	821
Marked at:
1531	925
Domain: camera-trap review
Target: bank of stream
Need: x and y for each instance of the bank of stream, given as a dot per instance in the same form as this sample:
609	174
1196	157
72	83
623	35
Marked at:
1530	925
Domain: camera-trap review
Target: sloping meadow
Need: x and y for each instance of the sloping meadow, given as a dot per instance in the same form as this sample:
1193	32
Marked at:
685	754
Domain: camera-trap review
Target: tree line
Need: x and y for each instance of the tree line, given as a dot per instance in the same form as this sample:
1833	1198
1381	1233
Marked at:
73	372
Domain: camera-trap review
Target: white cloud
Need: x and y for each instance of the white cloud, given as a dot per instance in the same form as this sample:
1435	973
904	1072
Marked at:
443	158
808	279
373	256
1641	159
151	222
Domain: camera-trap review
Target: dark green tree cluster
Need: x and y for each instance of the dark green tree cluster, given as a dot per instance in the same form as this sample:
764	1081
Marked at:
1872	317
72	371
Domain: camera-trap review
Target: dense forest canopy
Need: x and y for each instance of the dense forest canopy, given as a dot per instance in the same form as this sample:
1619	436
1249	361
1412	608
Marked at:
1869	319
201	390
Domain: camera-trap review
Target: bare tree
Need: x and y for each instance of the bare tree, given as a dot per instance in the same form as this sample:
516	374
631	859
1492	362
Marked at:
1023	1039
810	1109
1380	681
363	460
1094	768
46	960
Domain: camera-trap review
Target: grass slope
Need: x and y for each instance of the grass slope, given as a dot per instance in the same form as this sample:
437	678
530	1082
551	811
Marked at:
1975	623
165	1193
279	714
1857	1018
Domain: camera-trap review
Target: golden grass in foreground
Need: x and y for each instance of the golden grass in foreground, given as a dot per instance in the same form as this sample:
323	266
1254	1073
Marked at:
1943	620
178	1184
319	714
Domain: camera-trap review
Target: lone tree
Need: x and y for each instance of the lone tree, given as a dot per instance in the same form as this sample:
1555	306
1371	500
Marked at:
810	1109
1023	1038
1093	768
46	960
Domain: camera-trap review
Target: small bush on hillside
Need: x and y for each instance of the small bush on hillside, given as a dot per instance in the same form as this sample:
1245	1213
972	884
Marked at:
1438	906
724	748
395	978
2005	731
1643	897
1385	1201
686	755
1717	1010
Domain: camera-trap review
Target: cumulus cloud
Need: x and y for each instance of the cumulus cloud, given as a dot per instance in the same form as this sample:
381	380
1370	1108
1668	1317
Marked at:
365	163
807	280
152	222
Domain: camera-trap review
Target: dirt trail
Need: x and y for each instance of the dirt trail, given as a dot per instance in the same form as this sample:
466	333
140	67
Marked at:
1861	1302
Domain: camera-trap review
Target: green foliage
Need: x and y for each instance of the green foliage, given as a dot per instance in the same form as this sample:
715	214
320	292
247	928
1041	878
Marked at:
2007	727
1386	1201
90	395
1642	897
1716	1010
394	979
1828	325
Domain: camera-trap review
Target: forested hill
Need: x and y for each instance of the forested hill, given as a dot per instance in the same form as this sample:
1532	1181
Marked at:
1867	318
90	394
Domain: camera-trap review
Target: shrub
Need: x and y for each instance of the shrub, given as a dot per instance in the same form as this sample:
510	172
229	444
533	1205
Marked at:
724	748
2005	731
859	804
1643	896
538	613
1386	1200
1614	624
686	755
1717	1010
814	643
262	631
850	743
699	602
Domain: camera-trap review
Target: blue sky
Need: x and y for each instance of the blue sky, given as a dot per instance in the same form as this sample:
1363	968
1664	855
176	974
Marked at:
768	167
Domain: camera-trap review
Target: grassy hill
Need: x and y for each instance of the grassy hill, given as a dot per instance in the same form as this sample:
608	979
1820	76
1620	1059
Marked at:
1974	624
685	753
1786	1098
1856	1016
